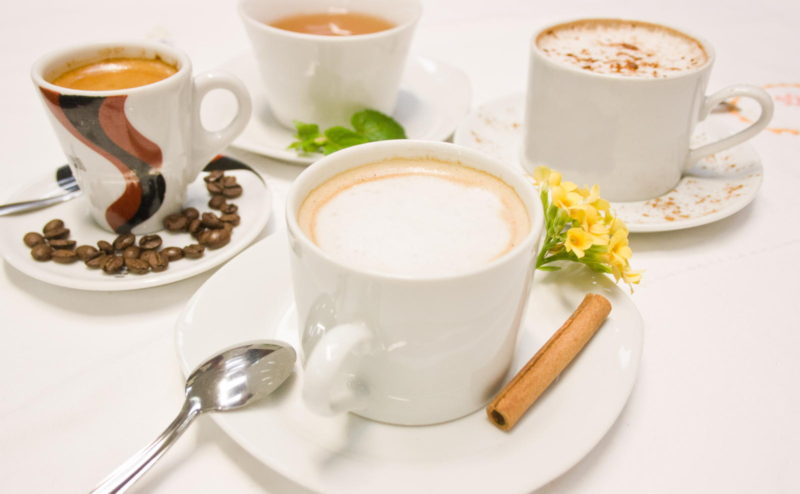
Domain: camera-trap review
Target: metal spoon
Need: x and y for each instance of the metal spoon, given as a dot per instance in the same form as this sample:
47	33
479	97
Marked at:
232	379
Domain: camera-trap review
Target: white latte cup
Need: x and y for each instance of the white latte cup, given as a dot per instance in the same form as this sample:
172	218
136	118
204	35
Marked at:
407	349
135	151
630	135
325	79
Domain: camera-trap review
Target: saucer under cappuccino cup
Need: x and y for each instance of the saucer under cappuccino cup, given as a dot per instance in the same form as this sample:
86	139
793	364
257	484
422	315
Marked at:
615	103
411	265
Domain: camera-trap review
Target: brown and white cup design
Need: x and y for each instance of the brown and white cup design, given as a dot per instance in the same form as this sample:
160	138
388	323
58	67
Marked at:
629	135
135	151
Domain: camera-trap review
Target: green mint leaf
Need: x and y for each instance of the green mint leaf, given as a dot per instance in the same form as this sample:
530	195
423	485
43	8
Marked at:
375	126
344	137
305	131
307	136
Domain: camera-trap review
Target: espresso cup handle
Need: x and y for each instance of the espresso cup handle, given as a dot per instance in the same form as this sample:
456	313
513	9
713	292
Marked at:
205	143
330	385
739	90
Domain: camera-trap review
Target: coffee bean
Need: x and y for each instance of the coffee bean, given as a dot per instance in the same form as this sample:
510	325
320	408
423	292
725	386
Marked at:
172	253
158	262
32	238
176	222
53	225
194	226
194	251
146	255
229	208
64	256
228	181
56	233
86	252
191	213
214	175
233	192
217	202
113	264
105	247
214	188
137	266
124	241
214	239
150	242
42	252
97	262
233	219
61	243
228	227
131	252
199	232
210	220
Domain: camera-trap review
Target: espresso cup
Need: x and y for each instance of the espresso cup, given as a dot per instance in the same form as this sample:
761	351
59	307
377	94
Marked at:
135	151
407	349
325	79
630	135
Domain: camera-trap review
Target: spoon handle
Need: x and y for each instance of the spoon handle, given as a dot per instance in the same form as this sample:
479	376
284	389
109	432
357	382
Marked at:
129	472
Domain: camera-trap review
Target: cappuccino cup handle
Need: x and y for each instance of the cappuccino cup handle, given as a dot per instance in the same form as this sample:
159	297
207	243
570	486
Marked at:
205	143
739	90
330	384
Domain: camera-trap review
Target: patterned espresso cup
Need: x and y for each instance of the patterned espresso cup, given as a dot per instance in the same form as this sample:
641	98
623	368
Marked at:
134	151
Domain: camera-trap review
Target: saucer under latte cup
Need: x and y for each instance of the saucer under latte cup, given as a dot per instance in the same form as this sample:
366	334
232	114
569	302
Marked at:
325	79
624	124
413	346
134	151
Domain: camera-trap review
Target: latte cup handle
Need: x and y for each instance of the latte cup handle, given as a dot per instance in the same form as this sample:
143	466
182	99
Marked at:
738	90
330	383
206	143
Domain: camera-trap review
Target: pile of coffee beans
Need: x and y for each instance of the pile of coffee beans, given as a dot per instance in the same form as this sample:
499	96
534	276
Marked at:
126	254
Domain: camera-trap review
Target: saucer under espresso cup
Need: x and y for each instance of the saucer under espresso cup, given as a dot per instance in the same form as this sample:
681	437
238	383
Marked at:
324	79
615	103
409	286
134	148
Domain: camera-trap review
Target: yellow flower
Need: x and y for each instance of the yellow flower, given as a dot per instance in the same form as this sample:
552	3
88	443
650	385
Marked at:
543	174
578	240
619	252
565	197
592	222
631	277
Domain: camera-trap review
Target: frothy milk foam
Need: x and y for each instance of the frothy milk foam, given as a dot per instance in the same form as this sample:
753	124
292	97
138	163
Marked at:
630	48
414	217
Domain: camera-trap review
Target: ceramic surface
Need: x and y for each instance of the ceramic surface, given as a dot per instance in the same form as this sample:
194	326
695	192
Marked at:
135	151
350	455
714	188
433	98
255	207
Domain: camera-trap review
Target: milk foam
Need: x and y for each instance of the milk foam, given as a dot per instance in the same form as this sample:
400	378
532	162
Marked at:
414	217
635	49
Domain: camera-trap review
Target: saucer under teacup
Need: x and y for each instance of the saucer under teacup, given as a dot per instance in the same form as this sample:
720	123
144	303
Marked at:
434	97
714	188
353	455
255	207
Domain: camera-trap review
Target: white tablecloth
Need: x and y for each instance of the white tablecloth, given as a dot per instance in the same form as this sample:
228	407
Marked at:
89	378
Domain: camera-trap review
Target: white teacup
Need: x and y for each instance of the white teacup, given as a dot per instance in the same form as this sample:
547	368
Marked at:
407	349
135	151
630	135
325	79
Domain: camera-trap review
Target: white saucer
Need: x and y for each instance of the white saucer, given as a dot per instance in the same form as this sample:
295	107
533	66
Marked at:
348	454
255	206
714	188
434	97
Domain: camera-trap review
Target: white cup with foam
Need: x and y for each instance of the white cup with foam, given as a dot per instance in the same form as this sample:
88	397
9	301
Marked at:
413	348
621	115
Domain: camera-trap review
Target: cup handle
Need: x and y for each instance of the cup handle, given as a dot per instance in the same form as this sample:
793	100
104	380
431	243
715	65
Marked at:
741	90
205	143
329	383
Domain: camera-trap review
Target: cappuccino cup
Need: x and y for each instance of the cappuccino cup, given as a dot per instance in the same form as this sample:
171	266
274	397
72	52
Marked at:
127	116
322	79
615	102
411	264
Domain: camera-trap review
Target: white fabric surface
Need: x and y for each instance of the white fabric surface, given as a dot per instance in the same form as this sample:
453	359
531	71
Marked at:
89	378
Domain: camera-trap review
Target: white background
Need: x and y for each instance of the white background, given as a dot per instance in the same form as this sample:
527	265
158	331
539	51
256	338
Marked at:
87	379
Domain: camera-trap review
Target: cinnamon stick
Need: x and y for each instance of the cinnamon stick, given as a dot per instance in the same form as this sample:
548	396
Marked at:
533	379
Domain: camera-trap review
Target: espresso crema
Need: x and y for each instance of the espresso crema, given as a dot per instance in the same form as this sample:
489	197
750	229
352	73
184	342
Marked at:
411	217
628	48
